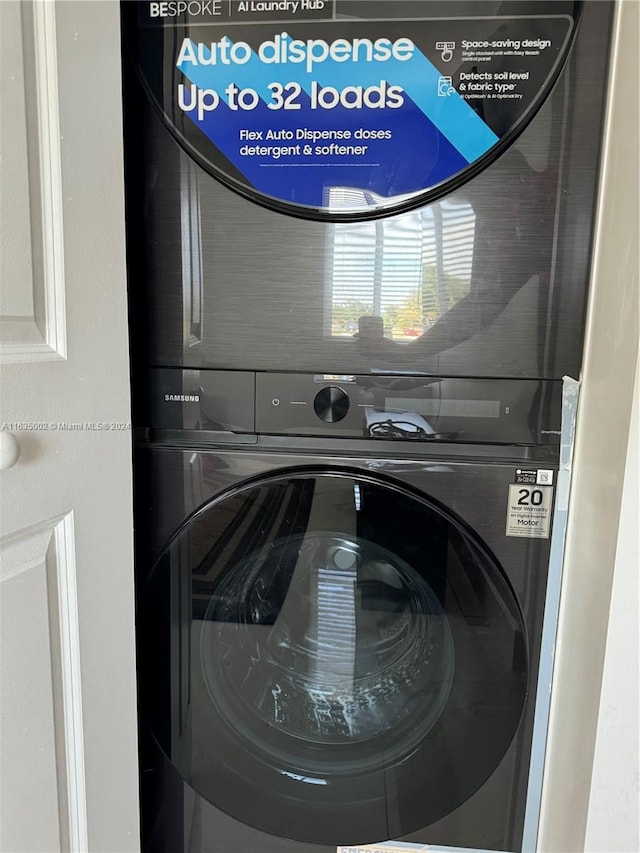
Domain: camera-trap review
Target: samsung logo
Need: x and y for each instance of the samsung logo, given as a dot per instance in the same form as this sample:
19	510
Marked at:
182	398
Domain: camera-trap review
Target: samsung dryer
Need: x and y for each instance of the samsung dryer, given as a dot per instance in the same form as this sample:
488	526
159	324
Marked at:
457	244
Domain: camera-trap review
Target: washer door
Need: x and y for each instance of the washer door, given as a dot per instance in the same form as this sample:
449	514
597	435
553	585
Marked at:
330	658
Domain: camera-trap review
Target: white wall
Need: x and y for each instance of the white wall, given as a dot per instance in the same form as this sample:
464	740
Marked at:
613	821
576	815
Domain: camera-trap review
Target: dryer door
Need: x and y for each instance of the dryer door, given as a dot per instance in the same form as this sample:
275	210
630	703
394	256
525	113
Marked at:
331	658
343	110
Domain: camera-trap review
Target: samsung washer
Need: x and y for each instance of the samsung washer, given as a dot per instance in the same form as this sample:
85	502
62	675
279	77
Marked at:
339	637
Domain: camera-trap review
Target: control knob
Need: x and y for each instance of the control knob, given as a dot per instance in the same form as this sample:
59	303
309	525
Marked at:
331	404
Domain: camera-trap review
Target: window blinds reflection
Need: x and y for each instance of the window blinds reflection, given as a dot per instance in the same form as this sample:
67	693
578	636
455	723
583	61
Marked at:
335	626
409	269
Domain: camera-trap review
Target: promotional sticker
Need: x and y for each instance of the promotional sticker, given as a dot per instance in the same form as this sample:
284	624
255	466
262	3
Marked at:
529	510
389	847
300	105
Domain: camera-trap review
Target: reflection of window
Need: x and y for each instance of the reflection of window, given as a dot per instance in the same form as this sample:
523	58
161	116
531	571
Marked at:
408	269
191	233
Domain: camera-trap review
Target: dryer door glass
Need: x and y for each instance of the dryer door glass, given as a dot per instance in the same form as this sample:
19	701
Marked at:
331	658
342	109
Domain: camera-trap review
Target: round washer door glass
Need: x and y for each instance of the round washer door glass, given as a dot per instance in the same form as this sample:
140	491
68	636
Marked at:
315	643
337	109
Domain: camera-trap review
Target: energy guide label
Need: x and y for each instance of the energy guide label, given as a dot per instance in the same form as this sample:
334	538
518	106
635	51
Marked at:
529	511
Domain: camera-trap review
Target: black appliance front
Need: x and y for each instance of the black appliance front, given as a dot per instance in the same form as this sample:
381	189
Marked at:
415	255
358	249
335	650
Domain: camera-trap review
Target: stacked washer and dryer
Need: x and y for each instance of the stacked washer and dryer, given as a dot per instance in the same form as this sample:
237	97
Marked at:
359	238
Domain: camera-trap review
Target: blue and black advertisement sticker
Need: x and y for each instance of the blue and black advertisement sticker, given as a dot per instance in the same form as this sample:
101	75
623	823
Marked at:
310	110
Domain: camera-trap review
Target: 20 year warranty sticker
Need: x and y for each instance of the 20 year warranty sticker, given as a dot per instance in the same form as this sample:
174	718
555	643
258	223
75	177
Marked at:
529	508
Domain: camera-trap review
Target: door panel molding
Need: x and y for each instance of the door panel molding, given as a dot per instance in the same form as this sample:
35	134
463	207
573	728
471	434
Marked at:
40	662
32	320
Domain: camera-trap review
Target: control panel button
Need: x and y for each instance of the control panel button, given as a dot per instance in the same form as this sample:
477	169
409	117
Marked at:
331	404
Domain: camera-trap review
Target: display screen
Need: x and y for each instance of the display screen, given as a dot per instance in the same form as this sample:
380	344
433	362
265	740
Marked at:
446	408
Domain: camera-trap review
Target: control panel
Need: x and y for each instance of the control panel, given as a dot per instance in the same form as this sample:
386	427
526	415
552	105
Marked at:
410	408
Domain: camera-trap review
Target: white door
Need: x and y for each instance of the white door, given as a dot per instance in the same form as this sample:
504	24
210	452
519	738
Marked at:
68	713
